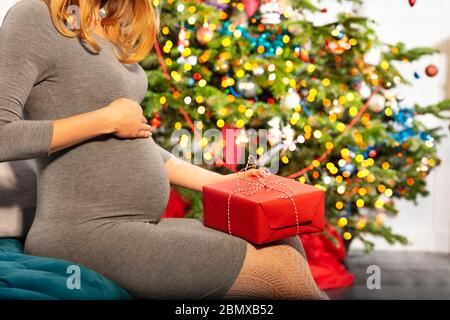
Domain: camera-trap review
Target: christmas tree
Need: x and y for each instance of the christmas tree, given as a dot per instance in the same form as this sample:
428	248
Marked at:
323	95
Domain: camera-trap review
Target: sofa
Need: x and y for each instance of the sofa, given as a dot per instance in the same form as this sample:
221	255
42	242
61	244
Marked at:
26	277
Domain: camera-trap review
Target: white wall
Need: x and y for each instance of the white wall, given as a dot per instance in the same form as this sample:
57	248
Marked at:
427	225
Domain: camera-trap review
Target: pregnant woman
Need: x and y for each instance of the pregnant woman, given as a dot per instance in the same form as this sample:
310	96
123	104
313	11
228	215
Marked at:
70	98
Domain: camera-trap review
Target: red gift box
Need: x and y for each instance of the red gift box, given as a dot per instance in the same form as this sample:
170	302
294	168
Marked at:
263	210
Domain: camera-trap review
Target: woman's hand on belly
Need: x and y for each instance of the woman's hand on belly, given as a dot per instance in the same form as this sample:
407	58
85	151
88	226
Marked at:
123	118
126	119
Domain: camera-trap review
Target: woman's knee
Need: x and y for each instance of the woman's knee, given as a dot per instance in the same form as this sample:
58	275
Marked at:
294	270
293	242
280	271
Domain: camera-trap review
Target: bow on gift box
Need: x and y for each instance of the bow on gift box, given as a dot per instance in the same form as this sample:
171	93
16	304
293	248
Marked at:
264	180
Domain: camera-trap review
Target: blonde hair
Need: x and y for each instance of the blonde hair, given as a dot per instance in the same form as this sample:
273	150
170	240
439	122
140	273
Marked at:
130	24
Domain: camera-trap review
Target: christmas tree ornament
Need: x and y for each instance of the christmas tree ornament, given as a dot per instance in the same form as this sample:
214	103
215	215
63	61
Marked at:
354	72
291	100
183	42
425	136
403	135
337	46
392	103
246	87
338	32
295	29
377	103
349	167
431	70
191	60
363	89
270	12
337	108
288	11
400	97
258	71
304	92
251	6
405	118
204	34
219	4
373	57
222	65
304	55
156	122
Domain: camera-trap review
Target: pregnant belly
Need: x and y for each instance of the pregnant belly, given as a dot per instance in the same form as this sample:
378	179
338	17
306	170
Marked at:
106	178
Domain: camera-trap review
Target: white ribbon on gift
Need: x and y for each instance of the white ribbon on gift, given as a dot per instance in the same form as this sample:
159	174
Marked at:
258	183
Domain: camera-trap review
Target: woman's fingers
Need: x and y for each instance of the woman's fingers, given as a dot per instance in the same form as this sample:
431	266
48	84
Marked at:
256	172
251	172
146	127
144	134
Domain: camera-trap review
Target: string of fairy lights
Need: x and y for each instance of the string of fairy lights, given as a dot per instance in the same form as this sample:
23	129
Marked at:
268	41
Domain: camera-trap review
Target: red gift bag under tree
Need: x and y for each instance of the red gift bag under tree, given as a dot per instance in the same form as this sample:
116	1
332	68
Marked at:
326	252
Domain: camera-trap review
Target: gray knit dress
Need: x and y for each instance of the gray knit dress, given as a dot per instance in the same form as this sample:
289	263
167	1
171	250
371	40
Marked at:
99	202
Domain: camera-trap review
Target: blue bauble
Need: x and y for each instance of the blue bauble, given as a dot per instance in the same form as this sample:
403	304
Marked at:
350	167
339	36
405	117
425	136
403	135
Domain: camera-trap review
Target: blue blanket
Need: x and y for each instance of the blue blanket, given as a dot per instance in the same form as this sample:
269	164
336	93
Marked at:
28	277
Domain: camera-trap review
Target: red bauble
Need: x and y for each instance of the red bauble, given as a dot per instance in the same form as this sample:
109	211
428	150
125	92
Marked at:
431	70
155	122
304	55
412	3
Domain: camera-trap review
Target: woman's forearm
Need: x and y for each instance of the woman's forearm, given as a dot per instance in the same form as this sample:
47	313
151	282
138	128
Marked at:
123	117
73	130
190	176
